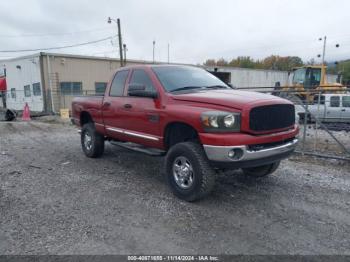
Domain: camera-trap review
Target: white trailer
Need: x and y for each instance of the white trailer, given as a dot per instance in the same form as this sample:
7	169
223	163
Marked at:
24	85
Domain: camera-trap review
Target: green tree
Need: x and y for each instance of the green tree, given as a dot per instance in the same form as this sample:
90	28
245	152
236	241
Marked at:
273	62
210	62
344	68
221	62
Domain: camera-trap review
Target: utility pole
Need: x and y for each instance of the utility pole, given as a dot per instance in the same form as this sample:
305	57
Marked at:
119	38
154	45
324	49
120	43
323	70
124	48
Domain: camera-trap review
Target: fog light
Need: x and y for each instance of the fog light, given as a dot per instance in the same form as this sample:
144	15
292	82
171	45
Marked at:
235	153
231	153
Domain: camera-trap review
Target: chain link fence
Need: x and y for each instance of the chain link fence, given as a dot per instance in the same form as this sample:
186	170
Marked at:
323	118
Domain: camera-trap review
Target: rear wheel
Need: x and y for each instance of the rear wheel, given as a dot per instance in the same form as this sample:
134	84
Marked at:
261	171
188	172
92	143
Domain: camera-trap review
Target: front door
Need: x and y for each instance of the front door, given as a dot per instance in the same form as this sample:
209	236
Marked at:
112	107
142	114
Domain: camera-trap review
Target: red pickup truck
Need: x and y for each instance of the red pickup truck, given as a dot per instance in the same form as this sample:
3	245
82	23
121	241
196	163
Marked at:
198	122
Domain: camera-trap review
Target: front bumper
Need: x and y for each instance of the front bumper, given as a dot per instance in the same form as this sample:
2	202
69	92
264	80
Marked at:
245	156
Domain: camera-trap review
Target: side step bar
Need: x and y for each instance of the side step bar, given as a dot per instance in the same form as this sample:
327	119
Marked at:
139	148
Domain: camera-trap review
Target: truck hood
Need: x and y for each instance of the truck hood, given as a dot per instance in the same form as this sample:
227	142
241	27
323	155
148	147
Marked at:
231	98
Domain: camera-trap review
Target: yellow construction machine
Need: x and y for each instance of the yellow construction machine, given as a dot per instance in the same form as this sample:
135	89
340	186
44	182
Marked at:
310	80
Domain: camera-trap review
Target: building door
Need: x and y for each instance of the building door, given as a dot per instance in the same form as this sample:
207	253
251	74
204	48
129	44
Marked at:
37	98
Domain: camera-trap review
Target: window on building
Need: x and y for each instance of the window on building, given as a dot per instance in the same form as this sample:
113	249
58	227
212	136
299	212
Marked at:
140	77
335	101
27	92
13	93
36	89
100	88
118	83
346	101
71	88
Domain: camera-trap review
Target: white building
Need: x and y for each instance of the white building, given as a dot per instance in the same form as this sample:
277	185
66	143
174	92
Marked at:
24	84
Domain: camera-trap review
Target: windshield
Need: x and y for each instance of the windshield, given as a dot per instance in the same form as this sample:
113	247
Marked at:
299	76
179	78
313	77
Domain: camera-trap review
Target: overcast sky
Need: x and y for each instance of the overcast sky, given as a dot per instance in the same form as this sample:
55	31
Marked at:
195	29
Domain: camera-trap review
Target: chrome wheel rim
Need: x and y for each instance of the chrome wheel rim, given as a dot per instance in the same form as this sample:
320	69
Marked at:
183	172
87	141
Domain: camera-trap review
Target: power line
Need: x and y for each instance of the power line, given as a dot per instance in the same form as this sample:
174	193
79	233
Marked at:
56	34
57	47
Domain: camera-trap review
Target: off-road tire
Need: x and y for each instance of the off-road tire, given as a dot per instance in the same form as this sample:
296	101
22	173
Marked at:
261	171
203	173
97	141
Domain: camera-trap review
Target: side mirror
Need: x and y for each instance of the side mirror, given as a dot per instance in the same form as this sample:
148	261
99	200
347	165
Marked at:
231	86
140	91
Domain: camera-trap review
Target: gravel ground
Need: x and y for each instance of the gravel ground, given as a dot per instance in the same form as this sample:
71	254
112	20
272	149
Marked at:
319	141
53	200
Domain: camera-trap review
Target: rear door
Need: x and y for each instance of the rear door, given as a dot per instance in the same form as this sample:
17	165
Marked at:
333	112
345	110
112	105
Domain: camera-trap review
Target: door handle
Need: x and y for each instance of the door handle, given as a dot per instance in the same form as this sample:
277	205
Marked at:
343	110
106	104
128	106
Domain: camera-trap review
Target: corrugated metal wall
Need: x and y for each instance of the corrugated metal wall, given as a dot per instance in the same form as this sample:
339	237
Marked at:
244	77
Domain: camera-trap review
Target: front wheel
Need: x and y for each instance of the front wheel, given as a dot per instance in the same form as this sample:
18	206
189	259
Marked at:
188	172
261	171
92	143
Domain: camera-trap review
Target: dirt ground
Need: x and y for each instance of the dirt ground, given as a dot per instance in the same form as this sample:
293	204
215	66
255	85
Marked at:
53	200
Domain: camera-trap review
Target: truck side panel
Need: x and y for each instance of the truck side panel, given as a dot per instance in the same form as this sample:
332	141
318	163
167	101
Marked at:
84	108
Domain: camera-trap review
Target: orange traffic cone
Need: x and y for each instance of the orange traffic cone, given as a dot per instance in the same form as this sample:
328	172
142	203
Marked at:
26	113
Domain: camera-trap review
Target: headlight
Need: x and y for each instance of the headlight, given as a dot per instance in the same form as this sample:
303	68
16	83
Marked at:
229	120
218	121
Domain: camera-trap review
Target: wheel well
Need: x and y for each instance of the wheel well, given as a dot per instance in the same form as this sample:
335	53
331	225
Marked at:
179	132
85	117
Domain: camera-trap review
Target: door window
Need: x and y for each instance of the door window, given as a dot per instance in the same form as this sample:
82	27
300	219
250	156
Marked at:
335	101
36	89
27	92
118	83
140	77
319	99
13	93
346	101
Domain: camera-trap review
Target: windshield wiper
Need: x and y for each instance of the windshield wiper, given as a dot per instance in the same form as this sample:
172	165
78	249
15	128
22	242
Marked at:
217	87
186	88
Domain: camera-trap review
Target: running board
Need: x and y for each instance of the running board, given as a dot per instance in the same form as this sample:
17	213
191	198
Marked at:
139	148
